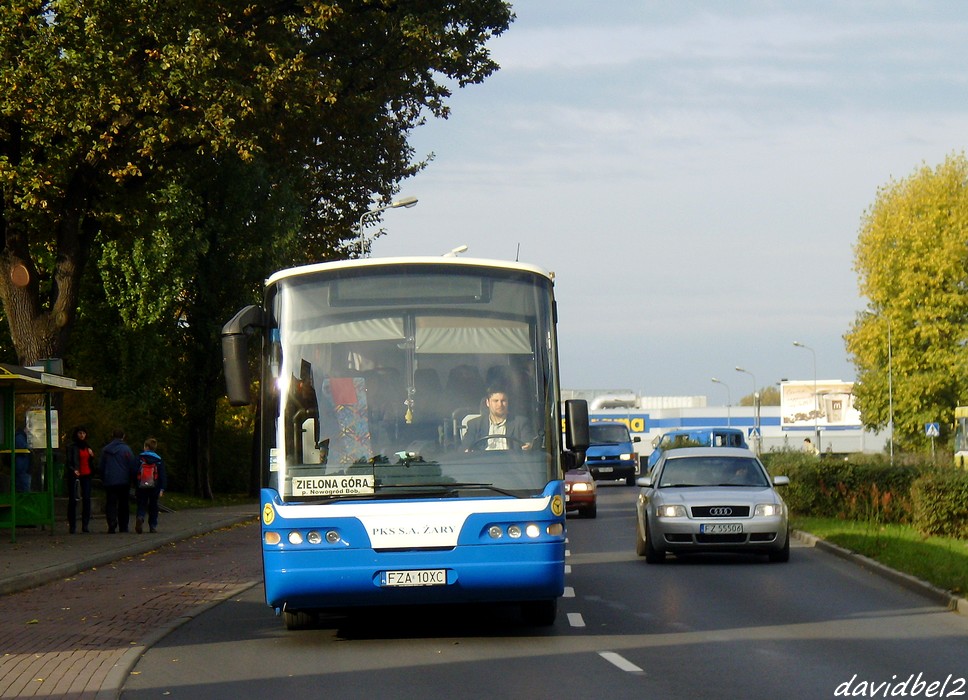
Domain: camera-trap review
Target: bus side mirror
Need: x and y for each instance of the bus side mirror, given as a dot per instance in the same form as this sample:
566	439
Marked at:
235	354
576	428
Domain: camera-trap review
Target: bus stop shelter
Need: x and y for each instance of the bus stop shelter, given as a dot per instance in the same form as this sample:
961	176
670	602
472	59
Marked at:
29	499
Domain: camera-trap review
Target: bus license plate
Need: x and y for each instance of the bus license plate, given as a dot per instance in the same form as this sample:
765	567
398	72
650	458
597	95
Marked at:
417	577
720	528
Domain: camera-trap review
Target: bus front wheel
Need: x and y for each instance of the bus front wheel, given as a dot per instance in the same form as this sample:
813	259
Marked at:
299	619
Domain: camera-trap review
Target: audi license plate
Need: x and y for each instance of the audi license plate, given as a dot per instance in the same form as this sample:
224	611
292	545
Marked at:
720	528
416	577
603	470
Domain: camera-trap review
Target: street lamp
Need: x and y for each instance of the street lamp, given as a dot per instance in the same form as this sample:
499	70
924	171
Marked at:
406	202
756	403
816	406
729	400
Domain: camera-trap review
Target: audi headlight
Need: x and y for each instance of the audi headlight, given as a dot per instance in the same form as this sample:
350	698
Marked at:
671	511
581	486
767	510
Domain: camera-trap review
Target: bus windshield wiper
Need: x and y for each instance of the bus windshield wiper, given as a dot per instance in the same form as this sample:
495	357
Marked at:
451	486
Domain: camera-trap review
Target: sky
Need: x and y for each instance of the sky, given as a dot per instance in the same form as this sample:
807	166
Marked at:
695	174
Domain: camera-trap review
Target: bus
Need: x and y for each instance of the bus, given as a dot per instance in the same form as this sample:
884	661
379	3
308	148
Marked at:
961	436
373	493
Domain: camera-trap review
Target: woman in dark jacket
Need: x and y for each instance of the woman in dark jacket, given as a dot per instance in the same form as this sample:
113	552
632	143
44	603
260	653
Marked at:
79	470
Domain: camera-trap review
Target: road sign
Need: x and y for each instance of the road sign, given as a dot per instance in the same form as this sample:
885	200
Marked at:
932	430
754	434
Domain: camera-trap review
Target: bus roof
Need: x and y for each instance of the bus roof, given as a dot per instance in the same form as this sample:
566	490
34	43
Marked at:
410	260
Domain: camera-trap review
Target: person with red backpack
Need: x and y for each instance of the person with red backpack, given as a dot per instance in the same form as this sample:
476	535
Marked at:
150	483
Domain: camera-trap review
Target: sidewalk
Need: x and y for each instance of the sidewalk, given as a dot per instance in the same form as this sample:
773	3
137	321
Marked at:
78	611
39	556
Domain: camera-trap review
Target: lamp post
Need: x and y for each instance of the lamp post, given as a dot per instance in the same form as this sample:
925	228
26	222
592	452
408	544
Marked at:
729	400
756	406
406	202
816	406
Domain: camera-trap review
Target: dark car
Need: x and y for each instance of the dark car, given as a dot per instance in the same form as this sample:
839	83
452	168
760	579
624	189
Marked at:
581	494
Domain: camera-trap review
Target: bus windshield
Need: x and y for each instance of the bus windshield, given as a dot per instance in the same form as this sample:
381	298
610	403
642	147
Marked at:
379	380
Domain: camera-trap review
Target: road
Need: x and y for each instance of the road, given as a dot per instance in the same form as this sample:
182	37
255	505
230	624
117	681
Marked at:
707	627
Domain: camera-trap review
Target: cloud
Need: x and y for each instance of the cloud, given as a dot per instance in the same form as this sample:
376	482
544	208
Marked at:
694	172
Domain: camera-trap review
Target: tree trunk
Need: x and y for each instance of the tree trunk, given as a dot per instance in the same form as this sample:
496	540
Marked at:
40	329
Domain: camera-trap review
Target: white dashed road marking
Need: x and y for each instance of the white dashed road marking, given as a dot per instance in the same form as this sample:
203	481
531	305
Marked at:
620	661
576	620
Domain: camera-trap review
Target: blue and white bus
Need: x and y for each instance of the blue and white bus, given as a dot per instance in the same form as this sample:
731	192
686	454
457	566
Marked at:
371	372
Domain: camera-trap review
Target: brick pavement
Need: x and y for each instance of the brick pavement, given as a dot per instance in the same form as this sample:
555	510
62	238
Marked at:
78	637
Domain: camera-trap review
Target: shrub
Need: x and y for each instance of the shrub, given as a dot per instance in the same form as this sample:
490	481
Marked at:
940	500
859	488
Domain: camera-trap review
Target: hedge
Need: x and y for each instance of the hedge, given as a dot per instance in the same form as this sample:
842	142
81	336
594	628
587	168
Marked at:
932	499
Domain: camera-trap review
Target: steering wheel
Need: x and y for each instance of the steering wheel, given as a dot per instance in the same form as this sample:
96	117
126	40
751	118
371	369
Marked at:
512	442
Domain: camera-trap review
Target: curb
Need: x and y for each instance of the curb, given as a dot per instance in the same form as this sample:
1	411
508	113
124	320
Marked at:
945	598
113	684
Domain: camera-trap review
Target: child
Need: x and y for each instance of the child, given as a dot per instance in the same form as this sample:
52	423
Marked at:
151	481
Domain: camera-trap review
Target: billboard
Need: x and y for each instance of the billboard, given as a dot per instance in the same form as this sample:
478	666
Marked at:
827	403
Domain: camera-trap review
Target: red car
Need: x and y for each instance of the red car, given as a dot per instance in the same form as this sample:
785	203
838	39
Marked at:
581	494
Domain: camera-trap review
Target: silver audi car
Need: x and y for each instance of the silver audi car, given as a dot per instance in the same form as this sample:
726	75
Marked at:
711	499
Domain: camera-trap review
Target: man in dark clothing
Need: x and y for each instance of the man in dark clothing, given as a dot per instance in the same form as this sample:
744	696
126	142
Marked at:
22	461
118	465
503	432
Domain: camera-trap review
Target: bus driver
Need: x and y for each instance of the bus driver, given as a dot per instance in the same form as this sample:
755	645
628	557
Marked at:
497	430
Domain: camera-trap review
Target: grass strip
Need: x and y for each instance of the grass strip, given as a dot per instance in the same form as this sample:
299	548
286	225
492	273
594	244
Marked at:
941	561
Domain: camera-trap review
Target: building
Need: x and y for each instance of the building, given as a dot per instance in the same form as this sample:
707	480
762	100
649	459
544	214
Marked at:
822	411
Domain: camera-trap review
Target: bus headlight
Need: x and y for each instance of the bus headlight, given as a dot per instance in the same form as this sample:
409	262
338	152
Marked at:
314	537
495	532
532	531
332	536
295	538
272	537
514	532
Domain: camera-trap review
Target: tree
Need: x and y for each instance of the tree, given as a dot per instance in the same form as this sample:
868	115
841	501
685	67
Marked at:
139	132
768	396
96	99
909	345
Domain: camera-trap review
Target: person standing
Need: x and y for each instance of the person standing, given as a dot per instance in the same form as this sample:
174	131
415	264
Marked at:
79	468
809	447
148	496
118	465
22	446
